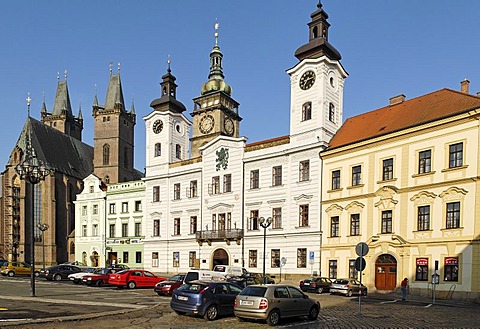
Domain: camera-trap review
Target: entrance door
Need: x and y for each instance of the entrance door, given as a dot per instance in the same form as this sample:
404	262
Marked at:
112	258
386	272
220	257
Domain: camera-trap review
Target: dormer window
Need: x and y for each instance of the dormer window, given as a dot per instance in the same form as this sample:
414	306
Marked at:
307	111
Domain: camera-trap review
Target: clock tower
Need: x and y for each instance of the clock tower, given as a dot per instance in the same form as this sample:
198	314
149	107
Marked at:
316	83
215	111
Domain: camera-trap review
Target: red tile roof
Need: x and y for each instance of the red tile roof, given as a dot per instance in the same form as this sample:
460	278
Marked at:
434	106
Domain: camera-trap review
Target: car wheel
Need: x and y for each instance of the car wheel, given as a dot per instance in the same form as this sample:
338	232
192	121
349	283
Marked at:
273	318
57	277
320	290
99	283
211	313
131	285
11	273
180	313
313	314
349	293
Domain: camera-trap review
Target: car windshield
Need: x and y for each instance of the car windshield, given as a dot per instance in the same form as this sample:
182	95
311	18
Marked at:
254	291
341	281
192	287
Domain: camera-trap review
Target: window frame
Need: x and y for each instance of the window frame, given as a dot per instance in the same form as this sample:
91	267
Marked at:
334	226
455	155
425	162
277	176
387	169
357	175
453	215
423	218
254	179
303	215
336	179
306	111
387	222
304	171
355	225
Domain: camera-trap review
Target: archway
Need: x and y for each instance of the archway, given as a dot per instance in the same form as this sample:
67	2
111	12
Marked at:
386	272
94	259
220	257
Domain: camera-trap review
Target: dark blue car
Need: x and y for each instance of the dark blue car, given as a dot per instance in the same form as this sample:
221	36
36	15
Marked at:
208	299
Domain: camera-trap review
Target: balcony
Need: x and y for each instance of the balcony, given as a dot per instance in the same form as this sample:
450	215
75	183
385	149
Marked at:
219	235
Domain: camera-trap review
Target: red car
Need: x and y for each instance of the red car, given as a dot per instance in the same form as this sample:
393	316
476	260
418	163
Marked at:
134	278
99	278
166	288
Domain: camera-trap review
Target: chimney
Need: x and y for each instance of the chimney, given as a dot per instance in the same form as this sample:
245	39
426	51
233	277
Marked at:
397	99
464	86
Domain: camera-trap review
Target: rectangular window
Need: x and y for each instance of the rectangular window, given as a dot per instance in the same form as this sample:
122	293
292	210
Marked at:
332	269
138	257
95	209
277	176
95	230
156	227
176	226
335	179
158	149
124	207
355	224
176	259
111	230
124	230
125	257
453	215
304	171
227	183
216	185
253	222
421	270
84	210
277	218
138	205
176	191
254	179
387	169
193	224
156	193
275	258
352	271
193	189
154	259
387	221
214	222
84	230
306	111
334	226
138	229
451	269
425	162
252	258
178	151
456	155
303	215
192	255
356	175
301	257
423	219
331	112
112	208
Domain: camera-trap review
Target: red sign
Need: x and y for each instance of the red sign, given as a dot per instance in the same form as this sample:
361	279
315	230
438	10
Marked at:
422	261
451	261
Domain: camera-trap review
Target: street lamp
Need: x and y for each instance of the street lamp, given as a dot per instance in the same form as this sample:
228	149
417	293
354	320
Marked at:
32	170
264	223
43	228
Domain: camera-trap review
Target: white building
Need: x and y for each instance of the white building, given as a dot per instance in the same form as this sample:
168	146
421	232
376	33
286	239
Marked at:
206	209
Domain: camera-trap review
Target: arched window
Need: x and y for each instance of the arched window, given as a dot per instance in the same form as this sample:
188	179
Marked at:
331	112
106	154
178	151
315	32
306	111
158	149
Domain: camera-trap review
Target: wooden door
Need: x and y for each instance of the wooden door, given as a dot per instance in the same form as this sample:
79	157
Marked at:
386	272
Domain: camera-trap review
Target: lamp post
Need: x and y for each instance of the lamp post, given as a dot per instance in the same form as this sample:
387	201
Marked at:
43	228
264	223
32	170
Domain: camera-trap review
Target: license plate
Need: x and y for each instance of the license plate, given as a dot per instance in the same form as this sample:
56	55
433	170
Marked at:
182	298
246	302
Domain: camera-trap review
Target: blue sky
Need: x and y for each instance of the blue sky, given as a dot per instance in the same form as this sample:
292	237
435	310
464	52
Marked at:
388	48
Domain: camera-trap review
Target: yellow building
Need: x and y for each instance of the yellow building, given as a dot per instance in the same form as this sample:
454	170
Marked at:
405	180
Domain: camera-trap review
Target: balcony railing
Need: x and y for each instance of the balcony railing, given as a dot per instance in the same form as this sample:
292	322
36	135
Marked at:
219	235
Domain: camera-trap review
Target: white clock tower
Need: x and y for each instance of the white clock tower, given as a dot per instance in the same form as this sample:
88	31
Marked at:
316	84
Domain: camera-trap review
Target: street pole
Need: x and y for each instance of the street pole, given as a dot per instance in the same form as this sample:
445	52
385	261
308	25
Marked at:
264	223
43	228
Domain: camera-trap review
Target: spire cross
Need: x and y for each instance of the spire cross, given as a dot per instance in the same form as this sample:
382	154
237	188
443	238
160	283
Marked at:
110	65
28	99
118	67
217	25
168	63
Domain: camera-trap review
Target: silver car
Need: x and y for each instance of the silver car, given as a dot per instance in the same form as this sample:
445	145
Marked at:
348	287
272	302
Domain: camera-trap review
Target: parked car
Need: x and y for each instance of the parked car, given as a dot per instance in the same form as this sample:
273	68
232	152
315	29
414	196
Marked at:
273	303
249	279
209	299
166	288
348	287
99	278
316	284
77	277
118	267
60	272
17	268
134	278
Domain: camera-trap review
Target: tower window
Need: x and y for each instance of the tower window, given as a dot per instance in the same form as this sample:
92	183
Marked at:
106	154
178	151
306	111
331	112
158	149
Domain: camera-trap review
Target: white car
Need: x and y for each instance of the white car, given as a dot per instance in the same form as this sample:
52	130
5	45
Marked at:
77	277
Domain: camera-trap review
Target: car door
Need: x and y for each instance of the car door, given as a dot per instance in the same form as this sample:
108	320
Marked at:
24	268
222	298
281	300
233	291
300	305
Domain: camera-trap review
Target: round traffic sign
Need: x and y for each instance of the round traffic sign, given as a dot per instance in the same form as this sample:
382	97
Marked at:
360	263
361	249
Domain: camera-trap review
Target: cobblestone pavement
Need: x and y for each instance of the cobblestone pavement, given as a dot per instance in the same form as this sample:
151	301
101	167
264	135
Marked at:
377	311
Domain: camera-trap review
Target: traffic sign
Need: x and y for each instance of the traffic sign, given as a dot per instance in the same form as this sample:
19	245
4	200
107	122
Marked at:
361	249
312	255
360	264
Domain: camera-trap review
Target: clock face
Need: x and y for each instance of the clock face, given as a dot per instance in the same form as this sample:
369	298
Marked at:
157	126
206	124
307	80
229	127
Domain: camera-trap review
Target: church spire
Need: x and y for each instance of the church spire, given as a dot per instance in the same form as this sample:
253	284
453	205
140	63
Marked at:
115	92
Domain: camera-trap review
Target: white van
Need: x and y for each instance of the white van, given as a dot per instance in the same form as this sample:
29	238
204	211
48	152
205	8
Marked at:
230	270
203	275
